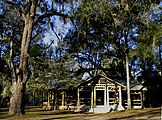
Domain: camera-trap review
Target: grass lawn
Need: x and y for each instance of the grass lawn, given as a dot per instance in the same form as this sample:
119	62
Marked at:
37	113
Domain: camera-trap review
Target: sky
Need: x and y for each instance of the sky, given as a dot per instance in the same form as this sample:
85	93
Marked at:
59	27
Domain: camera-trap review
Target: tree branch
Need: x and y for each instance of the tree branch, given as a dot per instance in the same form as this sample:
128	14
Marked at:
20	9
39	32
49	14
56	34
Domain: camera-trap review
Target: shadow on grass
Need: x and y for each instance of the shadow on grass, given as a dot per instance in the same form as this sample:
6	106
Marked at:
4	110
55	115
71	116
61	117
4	113
157	111
31	112
5	116
57	112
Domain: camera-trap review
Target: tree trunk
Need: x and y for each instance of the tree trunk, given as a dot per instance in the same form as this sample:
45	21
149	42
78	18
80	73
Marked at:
129	106
128	84
22	75
17	100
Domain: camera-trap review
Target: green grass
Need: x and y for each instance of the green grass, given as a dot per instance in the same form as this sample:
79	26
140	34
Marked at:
37	113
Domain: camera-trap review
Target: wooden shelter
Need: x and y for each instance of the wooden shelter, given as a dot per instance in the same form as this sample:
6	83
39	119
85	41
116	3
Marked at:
99	94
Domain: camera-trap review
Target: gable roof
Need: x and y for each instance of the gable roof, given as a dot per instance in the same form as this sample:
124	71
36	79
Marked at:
96	78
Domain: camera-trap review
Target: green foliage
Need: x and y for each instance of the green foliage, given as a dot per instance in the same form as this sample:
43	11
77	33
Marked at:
105	31
6	89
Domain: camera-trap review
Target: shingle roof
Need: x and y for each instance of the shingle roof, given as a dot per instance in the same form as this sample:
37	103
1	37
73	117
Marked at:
134	84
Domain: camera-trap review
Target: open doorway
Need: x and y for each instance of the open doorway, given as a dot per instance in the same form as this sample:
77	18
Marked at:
99	97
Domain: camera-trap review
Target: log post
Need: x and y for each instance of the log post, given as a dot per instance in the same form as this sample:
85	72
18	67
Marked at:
108	103
92	96
105	92
63	98
78	98
120	96
48	102
120	107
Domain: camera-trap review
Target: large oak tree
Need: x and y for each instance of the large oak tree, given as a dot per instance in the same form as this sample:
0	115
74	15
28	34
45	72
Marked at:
33	13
